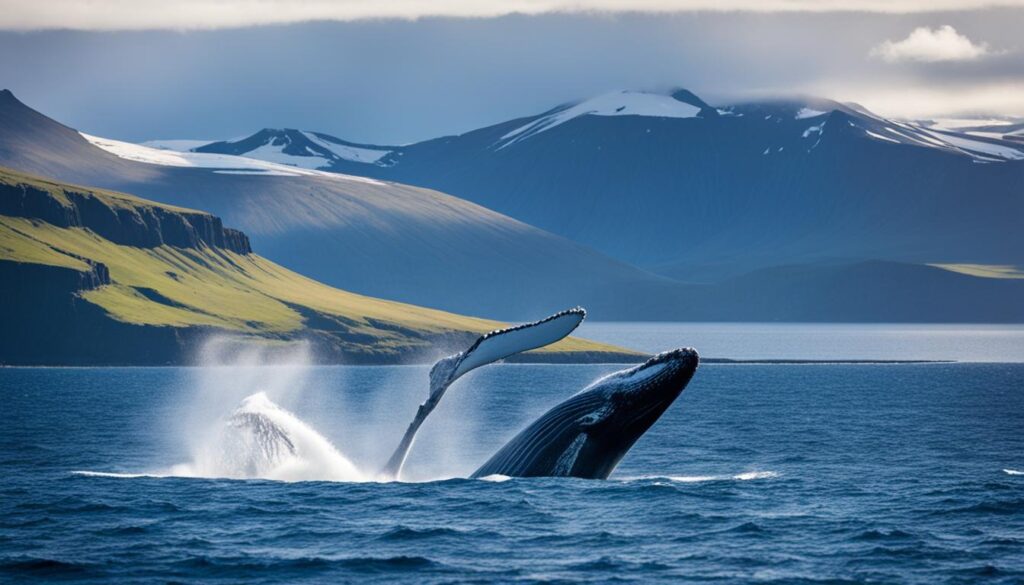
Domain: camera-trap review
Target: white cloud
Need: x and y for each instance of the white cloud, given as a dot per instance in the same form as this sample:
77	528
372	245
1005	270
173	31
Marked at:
931	45
212	14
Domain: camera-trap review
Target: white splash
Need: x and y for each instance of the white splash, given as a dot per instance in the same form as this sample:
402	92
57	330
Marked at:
261	440
745	476
755	475
495	477
231	423
116	475
1013	472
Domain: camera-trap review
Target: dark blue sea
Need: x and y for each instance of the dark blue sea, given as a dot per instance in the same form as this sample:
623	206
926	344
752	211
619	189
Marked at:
823	473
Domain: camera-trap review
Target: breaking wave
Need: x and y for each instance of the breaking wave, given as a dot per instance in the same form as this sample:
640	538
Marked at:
115	475
261	440
745	476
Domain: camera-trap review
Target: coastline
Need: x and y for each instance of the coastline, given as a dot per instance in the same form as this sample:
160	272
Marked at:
526	360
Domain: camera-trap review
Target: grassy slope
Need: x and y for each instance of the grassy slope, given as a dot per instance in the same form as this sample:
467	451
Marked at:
245	294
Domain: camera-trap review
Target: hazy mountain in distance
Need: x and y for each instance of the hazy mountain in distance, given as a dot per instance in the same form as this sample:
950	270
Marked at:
669	183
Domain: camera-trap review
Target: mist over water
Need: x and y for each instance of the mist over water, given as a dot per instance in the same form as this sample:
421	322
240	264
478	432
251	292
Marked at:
254	413
235	428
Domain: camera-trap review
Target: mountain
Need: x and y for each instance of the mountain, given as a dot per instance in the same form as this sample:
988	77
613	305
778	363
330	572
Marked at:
310	150
369	236
865	291
96	277
700	193
790	255
1011	129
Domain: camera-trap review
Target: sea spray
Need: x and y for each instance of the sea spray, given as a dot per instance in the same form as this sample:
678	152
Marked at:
235	427
262	440
449	443
258	411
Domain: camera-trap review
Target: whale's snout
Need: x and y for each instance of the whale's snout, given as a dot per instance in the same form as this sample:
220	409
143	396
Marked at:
644	392
667	373
684	357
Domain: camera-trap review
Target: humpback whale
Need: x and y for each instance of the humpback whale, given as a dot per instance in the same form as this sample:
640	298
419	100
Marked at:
587	435
489	348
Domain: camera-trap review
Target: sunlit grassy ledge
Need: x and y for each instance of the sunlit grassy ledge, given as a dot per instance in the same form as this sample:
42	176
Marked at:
96	277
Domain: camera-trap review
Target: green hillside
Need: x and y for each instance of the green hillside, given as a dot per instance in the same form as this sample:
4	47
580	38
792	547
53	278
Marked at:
87	269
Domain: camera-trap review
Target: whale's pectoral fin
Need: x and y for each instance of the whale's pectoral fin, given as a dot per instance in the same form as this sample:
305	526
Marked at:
488	348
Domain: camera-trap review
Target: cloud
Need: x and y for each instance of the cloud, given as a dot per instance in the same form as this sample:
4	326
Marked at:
931	45
215	14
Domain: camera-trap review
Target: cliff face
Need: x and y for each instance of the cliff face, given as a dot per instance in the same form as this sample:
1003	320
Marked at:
46	315
143	226
46	322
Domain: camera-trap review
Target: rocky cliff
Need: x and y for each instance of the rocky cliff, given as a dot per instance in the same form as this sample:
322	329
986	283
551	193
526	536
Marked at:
123	221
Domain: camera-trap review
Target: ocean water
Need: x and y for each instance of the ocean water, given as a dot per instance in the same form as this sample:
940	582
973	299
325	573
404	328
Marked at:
836	473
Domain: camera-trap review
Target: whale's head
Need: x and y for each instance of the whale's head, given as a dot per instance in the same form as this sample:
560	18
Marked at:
630	401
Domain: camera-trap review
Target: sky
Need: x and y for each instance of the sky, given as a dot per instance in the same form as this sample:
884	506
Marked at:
393	72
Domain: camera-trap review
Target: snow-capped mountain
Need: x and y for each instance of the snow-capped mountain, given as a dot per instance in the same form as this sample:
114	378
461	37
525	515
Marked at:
307	150
681	104
980	140
697	192
183	153
407	243
374	237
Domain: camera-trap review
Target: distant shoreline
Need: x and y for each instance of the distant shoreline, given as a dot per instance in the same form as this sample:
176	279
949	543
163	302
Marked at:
542	362
823	361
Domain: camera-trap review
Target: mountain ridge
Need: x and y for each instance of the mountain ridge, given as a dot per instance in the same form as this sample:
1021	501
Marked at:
391	240
404	243
665	190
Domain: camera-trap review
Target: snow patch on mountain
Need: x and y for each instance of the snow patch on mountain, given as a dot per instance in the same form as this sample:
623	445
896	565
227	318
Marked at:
809	113
619	103
985	128
224	162
980	147
302	149
273	153
962	123
263	173
994	148
813	130
348	152
178	145
880	137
